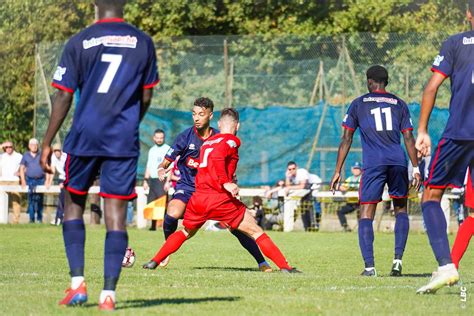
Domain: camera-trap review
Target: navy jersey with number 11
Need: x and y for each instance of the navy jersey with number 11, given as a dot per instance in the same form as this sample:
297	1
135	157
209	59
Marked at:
109	63
381	117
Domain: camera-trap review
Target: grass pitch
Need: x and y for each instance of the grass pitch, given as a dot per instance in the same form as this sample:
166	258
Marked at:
213	275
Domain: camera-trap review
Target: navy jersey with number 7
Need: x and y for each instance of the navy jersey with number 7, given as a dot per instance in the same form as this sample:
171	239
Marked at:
109	63
381	117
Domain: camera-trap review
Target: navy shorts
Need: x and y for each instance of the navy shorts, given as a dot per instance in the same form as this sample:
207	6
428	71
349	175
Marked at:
450	162
373	181
117	175
183	193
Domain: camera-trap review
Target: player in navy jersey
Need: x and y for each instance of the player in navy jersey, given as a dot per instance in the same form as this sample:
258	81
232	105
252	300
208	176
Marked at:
455	151
381	117
113	66
187	147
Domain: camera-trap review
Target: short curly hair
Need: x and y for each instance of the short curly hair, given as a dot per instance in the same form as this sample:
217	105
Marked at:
204	102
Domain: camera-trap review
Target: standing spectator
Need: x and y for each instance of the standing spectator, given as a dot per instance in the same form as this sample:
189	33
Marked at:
156	154
32	175
351	184
9	175
297	179
58	161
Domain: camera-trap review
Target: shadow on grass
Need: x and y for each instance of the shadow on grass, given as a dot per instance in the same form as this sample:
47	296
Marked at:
228	269
417	275
175	301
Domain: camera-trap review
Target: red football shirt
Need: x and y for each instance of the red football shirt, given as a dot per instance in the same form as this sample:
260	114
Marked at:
218	161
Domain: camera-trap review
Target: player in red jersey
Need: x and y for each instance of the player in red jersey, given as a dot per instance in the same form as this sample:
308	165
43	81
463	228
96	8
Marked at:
215	196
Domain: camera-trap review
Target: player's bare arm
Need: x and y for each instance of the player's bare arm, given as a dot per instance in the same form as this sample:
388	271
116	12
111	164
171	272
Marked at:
410	146
423	141
146	101
344	147
59	109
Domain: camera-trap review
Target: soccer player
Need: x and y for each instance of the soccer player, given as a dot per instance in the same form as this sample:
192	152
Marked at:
215	196
187	146
113	66
455	151
381	117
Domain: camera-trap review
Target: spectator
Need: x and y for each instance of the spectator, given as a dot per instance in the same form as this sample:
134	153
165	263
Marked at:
32	175
351	184
297	179
58	161
156	154
9	175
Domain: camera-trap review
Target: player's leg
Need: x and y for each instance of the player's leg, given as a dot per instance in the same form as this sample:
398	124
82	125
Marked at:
268	247
251	246
370	193
117	187
466	230
398	186
447	168
79	178
174	212
192	222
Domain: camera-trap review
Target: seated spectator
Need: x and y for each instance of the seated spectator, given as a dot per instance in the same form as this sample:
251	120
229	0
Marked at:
351	184
9	175
58	161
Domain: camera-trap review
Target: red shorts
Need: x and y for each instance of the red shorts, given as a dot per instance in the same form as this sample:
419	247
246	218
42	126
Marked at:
213	206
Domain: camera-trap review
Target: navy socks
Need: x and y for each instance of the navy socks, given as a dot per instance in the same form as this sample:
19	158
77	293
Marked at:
249	244
74	235
115	246
170	224
366	241
402	226
436	229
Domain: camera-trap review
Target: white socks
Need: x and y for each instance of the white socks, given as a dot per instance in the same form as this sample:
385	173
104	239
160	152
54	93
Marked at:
104	294
397	261
370	269
447	267
76	282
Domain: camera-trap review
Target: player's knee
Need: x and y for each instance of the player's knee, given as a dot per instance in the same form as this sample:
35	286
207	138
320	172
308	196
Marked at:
176	213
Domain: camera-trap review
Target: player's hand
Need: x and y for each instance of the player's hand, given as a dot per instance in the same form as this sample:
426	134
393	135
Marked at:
232	188
45	160
335	182
161	174
416	182
423	144
145	185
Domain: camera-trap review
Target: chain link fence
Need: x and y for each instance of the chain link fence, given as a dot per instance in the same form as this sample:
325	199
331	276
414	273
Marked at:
317	73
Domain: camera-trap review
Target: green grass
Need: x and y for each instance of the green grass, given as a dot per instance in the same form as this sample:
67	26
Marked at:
212	275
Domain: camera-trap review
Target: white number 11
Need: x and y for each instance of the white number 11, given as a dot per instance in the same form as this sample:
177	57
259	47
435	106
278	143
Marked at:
377	113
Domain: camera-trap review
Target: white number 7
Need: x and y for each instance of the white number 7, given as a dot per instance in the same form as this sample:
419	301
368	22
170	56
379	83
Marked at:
114	61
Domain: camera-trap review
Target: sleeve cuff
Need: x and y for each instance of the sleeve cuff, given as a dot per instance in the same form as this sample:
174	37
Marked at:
61	87
169	159
439	71
407	129
151	85
348	127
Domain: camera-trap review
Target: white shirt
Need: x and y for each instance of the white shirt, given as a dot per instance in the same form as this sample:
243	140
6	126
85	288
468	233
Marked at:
9	165
58	165
302	175
155	157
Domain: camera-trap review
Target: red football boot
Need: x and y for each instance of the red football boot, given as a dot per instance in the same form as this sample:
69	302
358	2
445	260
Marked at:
75	297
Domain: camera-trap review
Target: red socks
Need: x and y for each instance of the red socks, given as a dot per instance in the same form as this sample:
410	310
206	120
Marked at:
271	251
466	230
172	244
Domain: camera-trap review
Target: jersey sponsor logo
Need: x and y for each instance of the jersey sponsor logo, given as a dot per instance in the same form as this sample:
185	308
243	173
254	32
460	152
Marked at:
192	147
212	142
192	163
380	100
437	61
111	41
468	40
231	143
59	73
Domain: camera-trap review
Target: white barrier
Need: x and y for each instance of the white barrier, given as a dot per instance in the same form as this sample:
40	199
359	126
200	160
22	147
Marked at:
292	201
